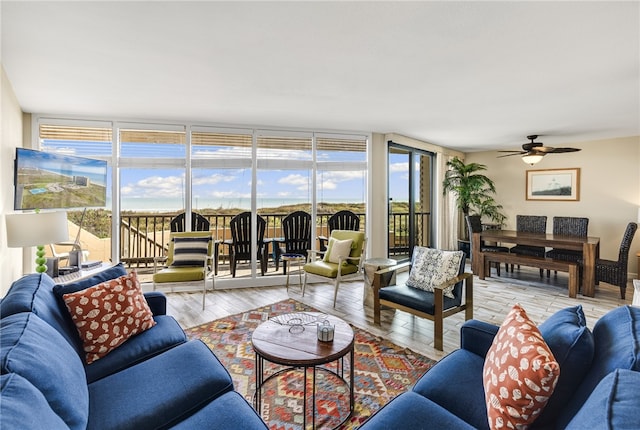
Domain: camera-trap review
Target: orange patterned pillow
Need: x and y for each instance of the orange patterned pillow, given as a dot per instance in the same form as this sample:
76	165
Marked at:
520	373
108	314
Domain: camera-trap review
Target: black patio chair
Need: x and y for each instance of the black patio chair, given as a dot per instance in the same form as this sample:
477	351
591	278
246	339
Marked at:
240	244
296	229
198	223
341	220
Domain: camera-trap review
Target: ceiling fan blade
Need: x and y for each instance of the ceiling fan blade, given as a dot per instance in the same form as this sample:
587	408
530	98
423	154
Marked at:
509	155
560	150
515	152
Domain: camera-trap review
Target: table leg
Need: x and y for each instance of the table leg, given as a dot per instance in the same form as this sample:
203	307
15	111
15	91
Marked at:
589	255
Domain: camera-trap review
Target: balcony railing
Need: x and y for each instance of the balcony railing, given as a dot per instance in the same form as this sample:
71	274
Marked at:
144	236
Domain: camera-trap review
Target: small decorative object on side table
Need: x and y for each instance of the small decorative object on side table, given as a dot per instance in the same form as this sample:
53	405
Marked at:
636	292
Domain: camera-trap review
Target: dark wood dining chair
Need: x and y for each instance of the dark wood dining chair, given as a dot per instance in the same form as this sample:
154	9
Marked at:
567	226
474	224
615	272
341	220
530	224
240	245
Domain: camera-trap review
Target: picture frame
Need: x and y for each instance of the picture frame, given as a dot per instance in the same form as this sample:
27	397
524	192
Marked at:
553	184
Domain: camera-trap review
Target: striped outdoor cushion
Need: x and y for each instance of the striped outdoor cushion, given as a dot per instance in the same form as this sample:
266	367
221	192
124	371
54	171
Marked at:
190	251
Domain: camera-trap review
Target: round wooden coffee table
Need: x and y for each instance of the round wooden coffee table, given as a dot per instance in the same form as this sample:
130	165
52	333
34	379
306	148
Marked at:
291	340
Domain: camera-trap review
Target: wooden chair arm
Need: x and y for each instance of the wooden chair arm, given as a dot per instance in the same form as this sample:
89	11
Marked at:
157	261
453	281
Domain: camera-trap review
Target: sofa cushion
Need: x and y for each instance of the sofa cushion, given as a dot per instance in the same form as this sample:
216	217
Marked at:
412	411
229	411
432	267
414	298
34	293
108	314
166	334
614	404
519	374
616	336
22	406
37	352
158	391
442	385
572	344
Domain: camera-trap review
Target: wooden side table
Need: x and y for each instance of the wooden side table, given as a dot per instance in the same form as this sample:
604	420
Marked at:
296	347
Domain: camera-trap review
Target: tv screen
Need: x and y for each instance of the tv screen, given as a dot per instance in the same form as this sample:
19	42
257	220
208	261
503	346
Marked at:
45	180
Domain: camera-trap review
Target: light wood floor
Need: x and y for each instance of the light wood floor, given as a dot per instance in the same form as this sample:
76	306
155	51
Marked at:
493	298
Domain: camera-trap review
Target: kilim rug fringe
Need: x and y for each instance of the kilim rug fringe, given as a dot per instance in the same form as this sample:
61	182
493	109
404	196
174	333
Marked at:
383	370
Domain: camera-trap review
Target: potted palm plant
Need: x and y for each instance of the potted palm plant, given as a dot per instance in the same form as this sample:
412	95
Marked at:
474	193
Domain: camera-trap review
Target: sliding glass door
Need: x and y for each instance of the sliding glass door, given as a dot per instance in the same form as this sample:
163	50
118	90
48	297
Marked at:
410	184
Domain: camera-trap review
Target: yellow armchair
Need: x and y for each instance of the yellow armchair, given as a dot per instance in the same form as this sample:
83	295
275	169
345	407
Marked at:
189	260
343	258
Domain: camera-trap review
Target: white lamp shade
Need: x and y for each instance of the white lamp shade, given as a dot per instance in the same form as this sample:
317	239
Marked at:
32	229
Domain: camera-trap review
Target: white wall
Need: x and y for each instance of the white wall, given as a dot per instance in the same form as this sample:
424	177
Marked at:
11	120
609	189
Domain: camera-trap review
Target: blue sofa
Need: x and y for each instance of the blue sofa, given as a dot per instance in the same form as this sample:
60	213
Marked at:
598	387
156	379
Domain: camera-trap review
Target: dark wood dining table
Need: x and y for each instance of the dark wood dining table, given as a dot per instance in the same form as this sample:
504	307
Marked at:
590	247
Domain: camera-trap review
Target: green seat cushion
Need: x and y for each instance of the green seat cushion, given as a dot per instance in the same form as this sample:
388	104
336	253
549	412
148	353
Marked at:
329	270
179	274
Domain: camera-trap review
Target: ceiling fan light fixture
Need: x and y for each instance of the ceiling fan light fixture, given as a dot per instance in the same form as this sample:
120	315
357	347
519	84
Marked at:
532	158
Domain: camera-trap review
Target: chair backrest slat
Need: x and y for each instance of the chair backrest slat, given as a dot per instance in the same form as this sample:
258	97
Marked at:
296	228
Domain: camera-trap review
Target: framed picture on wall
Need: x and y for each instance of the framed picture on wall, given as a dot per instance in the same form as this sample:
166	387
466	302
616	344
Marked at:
553	184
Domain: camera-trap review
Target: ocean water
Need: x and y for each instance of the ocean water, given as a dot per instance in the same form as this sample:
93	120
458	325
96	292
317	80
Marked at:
174	204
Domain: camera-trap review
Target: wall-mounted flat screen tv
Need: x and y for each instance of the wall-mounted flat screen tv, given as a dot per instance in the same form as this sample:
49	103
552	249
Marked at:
45	180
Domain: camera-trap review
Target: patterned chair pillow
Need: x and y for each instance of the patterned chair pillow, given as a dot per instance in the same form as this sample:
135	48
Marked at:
520	373
432	267
108	314
190	251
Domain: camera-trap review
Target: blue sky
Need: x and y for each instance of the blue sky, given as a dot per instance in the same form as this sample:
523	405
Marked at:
230	185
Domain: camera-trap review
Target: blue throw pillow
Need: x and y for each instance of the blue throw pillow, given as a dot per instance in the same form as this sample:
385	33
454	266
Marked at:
572	344
613	404
100	277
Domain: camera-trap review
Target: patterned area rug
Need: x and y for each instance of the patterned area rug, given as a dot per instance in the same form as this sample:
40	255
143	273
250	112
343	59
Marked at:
382	371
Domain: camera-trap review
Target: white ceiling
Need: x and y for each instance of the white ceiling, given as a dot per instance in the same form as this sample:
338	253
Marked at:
465	75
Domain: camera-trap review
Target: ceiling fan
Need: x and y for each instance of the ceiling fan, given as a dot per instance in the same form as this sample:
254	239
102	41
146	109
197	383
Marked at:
533	152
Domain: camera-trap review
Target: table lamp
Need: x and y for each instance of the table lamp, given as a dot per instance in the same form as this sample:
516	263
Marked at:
36	229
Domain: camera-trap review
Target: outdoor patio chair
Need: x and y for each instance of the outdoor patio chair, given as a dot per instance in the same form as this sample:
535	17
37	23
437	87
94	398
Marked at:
189	260
344	256
434	289
240	244
296	229
198	223
341	220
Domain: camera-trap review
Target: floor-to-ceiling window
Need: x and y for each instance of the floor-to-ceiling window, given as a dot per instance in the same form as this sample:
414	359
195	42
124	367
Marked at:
160	170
